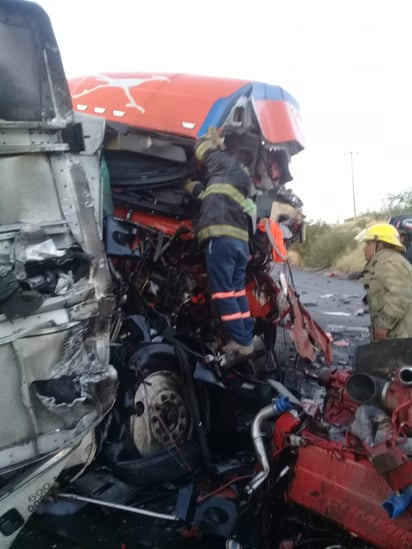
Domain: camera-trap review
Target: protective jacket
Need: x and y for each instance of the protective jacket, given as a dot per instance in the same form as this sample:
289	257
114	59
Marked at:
388	283
223	211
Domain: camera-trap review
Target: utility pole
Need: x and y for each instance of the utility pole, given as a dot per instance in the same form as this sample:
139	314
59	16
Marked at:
351	153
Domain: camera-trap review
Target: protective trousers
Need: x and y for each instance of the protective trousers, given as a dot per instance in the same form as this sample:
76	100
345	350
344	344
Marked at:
226	262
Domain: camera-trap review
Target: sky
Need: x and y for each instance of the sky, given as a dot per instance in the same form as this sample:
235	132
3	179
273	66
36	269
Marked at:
346	62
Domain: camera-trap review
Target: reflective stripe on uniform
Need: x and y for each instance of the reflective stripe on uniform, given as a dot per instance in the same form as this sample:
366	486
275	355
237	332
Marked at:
240	293
247	204
202	149
214	231
224	188
223	295
235	316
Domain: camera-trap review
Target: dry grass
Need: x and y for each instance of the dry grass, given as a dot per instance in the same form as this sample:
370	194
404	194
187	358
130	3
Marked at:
333	246
350	262
294	258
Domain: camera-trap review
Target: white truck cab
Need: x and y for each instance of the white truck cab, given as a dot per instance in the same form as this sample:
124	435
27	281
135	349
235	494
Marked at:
55	292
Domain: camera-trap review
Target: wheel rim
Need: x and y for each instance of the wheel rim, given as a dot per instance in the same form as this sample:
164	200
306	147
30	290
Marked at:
161	420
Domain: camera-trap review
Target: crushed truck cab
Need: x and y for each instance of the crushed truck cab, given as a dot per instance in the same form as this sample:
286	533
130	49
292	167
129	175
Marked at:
55	290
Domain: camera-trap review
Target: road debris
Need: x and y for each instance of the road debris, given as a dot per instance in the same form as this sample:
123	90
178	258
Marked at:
341	343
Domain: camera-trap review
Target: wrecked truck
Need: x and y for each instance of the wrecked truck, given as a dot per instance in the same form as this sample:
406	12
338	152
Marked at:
110	350
115	381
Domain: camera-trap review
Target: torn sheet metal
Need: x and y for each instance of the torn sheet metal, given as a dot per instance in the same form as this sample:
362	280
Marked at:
308	336
34	244
55	288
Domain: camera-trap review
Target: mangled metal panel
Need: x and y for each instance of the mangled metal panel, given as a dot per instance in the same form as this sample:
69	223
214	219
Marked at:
55	289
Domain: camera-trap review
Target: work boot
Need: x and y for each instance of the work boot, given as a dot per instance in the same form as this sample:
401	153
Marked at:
234	347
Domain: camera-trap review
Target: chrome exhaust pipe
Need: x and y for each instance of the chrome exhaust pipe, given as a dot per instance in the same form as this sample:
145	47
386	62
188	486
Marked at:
278	406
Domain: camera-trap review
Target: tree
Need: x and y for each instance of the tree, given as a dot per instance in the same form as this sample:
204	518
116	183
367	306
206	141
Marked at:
400	203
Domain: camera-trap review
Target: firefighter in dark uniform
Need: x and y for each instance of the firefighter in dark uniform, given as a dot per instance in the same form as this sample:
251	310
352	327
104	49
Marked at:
403	224
222	227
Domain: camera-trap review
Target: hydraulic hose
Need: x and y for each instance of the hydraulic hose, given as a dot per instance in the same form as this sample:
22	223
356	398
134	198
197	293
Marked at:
398	502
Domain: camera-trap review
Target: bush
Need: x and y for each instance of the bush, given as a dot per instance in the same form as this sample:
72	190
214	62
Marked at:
325	244
334	246
400	203
351	262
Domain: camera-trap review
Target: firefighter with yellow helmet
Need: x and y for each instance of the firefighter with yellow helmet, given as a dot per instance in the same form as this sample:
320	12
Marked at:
387	279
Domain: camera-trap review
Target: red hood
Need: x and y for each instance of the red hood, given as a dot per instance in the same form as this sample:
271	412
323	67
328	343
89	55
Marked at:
186	105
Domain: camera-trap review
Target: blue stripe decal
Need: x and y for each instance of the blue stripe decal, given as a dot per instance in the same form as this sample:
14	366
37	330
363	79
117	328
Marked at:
221	108
273	93
259	91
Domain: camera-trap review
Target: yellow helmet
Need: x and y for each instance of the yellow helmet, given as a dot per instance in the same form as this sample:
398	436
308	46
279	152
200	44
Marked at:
382	232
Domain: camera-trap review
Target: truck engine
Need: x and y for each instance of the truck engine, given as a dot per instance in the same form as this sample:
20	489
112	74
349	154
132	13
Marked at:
351	461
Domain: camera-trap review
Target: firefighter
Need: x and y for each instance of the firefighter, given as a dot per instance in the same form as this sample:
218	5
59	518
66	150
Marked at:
225	221
403	224
387	279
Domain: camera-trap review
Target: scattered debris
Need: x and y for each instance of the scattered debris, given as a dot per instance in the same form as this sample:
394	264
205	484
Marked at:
341	343
360	332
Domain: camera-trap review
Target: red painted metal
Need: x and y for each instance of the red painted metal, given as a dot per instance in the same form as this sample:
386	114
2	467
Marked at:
285	425
182	104
344	487
167	225
307	334
398	399
347	481
339	407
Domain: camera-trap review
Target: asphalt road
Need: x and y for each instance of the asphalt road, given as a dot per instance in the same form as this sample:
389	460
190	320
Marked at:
335	303
332	300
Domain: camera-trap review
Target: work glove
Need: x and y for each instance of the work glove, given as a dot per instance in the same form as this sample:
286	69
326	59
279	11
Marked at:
214	136
192	186
210	141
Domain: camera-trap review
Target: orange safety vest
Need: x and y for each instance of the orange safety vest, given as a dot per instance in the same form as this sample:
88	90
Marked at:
275	235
